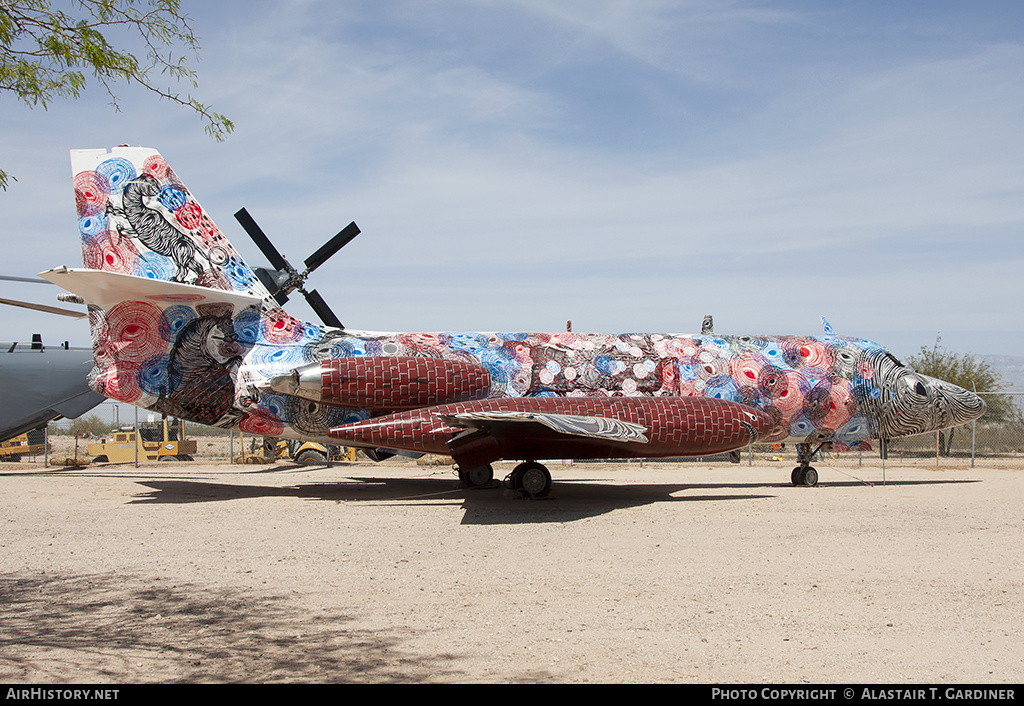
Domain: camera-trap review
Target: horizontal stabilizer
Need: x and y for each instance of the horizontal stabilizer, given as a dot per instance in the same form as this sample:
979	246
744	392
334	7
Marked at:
105	289
573	425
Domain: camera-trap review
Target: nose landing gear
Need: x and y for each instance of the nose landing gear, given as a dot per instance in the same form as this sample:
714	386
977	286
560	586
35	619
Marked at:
805	474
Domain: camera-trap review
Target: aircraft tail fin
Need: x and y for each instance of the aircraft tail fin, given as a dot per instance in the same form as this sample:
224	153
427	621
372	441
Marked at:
174	310
136	217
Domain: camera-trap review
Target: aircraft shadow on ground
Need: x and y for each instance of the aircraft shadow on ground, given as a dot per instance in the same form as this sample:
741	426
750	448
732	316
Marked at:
495	505
102	627
572	500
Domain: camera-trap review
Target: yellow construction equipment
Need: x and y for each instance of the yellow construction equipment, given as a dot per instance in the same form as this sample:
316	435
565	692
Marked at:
156	441
30	444
310	452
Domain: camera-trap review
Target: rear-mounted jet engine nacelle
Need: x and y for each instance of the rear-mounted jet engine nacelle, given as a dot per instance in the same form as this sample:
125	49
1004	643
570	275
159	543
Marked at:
386	383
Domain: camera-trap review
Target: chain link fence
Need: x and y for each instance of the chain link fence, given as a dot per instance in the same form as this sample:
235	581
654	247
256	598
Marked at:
988	441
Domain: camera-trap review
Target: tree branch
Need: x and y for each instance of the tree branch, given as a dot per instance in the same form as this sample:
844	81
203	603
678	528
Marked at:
44	53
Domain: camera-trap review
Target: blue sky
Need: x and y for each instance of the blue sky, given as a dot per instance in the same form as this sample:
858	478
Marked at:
630	165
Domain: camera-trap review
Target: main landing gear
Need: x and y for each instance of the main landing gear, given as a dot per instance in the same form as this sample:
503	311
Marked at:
479	477
531	478
804	474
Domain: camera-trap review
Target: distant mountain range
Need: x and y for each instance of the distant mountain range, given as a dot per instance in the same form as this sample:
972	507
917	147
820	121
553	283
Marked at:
1010	368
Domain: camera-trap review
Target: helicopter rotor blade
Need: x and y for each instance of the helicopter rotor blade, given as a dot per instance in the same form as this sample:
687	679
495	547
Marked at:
250	226
317	304
283	279
343	238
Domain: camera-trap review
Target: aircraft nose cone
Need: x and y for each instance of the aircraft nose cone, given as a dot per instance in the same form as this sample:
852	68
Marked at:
955	405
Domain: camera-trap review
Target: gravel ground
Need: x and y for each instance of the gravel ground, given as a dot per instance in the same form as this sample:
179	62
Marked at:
691	573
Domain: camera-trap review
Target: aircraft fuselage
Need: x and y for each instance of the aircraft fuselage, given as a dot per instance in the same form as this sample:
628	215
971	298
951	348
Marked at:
815	389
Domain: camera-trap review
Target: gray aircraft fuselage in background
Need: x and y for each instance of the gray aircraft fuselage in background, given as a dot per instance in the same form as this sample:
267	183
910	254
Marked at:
41	383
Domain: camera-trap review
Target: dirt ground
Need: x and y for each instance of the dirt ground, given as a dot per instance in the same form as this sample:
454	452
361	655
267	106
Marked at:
691	573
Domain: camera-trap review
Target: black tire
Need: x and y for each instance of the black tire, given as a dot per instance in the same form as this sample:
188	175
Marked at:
797	476
311	457
478	477
101	459
810	477
531	479
168	458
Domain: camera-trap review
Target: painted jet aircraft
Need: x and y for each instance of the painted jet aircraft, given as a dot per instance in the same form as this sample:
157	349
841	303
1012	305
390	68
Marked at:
183	326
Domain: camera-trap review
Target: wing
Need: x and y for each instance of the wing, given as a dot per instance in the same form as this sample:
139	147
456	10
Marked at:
570	424
482	431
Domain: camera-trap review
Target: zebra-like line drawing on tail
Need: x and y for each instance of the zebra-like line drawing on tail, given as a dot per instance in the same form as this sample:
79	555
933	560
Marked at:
143	207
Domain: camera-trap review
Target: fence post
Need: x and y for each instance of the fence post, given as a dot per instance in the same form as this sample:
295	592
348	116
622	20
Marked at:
974	429
884	452
974	433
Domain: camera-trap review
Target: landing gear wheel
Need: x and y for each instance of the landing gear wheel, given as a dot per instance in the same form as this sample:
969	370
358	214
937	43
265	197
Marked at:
804	475
531	479
477	477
